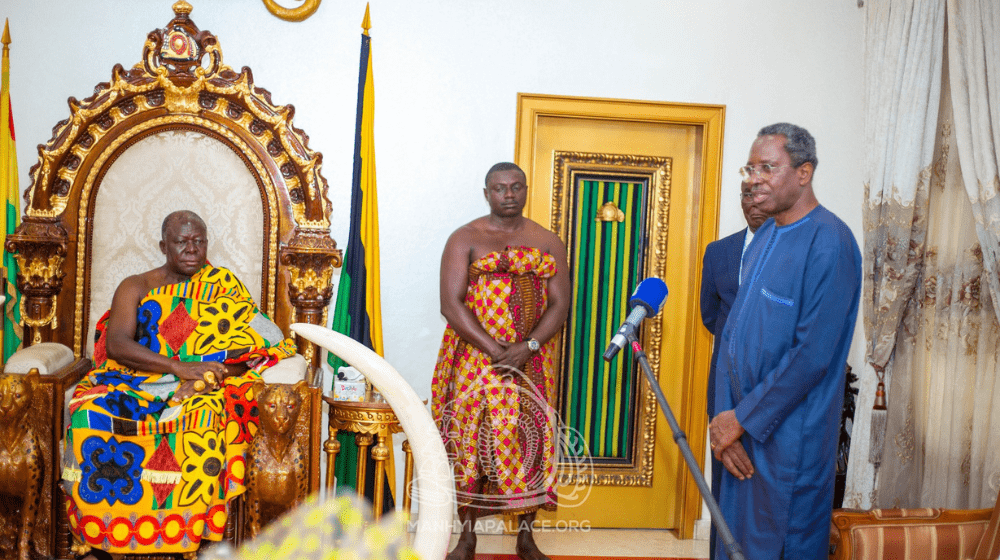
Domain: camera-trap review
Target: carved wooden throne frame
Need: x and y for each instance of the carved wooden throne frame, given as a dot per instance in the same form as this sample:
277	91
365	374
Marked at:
181	84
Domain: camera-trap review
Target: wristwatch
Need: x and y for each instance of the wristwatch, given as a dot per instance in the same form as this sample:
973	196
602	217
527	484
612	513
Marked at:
533	345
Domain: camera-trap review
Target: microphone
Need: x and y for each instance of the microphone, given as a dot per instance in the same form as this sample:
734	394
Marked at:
646	301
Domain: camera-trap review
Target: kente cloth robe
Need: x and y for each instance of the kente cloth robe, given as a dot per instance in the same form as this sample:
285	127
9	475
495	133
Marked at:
144	474
781	367
498	425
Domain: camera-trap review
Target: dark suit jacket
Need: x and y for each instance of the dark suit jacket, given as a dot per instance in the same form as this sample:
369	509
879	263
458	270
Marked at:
719	283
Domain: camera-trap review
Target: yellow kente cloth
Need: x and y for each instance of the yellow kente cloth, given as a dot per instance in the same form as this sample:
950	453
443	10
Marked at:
144	476
498	425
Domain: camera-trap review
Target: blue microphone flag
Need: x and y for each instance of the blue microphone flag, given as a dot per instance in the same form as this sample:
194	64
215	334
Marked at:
650	294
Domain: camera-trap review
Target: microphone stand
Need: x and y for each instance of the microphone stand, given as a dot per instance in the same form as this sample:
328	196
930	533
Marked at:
733	547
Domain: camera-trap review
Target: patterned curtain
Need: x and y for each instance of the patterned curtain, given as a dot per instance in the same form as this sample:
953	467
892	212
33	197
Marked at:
930	316
904	41
974	58
937	445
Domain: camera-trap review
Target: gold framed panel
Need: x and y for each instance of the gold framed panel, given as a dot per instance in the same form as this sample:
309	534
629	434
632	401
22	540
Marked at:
655	171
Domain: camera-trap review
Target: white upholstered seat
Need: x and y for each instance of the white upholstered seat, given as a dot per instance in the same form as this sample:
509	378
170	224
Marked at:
47	357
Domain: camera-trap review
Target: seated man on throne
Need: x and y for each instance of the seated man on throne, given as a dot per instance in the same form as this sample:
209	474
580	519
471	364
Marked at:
157	431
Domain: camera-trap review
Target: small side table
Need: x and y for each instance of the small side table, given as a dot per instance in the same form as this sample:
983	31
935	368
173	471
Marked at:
370	420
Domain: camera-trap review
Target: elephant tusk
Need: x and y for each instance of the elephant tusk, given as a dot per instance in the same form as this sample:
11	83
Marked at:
436	497
307	9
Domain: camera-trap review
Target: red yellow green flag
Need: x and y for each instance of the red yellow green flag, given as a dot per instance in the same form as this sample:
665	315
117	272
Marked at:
10	214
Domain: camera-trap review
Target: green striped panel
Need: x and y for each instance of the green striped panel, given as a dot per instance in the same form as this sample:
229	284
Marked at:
606	259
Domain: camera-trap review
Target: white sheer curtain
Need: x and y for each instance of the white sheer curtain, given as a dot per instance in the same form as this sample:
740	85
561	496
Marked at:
931	247
945	358
904	42
974	59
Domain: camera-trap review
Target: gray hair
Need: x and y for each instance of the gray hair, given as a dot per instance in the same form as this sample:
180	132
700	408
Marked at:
799	144
504	166
181	216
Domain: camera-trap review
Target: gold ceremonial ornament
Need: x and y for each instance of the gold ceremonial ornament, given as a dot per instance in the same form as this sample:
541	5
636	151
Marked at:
610	213
209	381
79	549
307	9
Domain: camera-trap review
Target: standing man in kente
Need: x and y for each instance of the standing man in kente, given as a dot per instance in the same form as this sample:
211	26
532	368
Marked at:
780	377
720	280
505	291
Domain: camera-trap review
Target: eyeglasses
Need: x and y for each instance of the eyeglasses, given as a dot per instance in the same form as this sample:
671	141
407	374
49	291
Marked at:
745	196
764	171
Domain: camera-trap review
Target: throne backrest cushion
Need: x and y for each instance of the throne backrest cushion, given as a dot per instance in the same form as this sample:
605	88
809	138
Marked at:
164	172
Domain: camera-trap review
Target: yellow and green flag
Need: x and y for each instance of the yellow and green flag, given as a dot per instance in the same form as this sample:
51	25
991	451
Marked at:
358	311
11	213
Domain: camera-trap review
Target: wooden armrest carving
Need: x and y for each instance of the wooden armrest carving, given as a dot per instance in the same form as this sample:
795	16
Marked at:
39	245
310	256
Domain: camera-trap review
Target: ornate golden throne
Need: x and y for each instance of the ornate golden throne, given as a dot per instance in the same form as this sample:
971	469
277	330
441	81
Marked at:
179	130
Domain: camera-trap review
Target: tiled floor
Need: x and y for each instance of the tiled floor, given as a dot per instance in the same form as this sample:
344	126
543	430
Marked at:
653	543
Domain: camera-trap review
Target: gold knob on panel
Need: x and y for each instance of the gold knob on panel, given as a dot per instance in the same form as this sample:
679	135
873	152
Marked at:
610	213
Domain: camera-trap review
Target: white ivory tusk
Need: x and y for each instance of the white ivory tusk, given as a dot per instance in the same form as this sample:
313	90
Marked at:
436	496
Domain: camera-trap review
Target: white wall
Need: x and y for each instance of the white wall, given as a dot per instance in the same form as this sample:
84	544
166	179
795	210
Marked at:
447	76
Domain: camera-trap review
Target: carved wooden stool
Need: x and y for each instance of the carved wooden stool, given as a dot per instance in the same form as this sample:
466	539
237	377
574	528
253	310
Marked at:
374	422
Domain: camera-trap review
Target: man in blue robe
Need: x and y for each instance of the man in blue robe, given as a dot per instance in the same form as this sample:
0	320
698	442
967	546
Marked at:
780	376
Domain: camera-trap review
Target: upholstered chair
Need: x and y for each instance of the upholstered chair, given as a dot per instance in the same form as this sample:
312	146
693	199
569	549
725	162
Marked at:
916	534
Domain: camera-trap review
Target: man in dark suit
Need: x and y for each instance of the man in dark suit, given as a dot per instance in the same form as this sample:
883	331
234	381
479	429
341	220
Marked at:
720	280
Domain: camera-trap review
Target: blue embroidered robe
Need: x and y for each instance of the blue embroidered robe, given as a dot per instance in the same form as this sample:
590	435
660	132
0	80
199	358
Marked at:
781	367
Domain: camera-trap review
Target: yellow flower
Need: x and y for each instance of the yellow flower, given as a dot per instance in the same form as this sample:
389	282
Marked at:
204	467
225	324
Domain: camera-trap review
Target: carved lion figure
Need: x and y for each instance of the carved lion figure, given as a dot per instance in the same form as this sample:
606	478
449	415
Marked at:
276	464
21	465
